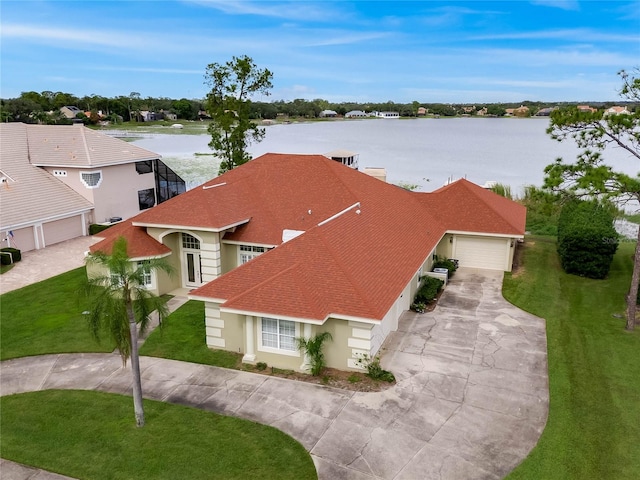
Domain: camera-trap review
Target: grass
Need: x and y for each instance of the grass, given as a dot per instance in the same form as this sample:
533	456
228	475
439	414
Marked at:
93	435
6	268
46	317
182	337
593	428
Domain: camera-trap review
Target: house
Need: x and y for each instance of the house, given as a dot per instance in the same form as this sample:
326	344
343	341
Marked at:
355	114
616	111
545	112
328	114
386	114
59	179
287	246
586	108
422	111
70	112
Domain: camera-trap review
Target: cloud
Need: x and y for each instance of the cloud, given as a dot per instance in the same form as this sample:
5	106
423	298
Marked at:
74	38
307	11
346	39
571	5
575	34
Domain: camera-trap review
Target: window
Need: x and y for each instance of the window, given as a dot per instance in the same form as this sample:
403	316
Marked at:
190	242
278	335
146	272
249	252
91	179
144	166
146	198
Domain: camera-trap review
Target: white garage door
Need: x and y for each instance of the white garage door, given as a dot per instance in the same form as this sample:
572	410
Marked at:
482	252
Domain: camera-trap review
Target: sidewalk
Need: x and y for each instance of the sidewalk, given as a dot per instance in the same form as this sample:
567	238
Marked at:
38	265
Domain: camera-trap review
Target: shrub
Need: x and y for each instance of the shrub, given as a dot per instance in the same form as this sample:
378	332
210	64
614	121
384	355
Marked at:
587	239
15	255
261	366
420	307
96	228
313	348
429	289
374	369
445	263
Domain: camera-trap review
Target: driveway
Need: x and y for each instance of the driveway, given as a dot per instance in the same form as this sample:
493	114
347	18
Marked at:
470	402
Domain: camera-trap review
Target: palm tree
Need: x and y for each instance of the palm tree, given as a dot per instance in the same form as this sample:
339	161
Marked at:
313	349
119	302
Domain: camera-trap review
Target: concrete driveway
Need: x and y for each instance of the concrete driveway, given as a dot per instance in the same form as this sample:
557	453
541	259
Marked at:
470	402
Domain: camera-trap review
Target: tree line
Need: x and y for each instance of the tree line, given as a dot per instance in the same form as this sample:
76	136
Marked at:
44	107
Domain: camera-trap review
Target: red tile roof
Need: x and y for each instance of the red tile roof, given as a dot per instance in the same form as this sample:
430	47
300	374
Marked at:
139	244
465	206
354	265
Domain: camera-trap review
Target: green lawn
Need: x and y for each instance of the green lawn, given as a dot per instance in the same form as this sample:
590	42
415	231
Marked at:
593	429
46	317
93	435
182	337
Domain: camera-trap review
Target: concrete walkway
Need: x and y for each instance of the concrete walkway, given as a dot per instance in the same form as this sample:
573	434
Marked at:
38	265
470	402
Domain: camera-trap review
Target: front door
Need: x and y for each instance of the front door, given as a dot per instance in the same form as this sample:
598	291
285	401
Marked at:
193	270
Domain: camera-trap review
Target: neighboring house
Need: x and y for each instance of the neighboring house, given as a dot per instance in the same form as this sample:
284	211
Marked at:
61	178
69	111
386	114
288	246
545	112
355	114
345	157
328	113
422	111
587	108
617	111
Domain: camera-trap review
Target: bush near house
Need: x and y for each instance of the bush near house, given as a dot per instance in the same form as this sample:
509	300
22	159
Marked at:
429	289
95	228
10	255
445	263
587	239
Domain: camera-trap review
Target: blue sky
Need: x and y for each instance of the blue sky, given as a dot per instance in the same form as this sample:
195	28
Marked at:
362	51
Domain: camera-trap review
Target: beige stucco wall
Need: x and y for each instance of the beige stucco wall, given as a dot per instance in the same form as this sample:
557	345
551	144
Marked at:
445	247
117	194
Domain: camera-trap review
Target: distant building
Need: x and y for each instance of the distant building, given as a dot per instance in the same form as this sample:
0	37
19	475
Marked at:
422	111
328	113
69	111
387	114
355	114
617	111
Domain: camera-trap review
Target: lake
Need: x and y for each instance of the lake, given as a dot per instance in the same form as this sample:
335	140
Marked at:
425	151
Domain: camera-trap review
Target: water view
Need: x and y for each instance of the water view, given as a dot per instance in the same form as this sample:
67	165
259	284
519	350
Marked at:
426	152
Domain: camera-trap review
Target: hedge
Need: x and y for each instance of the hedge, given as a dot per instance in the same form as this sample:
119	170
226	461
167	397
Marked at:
587	239
16	256
95	228
429	289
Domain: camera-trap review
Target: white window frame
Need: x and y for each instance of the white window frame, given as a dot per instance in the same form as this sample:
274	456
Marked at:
147	273
249	252
92	172
279	351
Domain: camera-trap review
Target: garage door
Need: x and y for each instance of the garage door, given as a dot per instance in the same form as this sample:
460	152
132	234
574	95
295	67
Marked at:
61	230
482	252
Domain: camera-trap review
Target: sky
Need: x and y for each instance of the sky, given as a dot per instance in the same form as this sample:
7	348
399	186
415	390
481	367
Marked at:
340	51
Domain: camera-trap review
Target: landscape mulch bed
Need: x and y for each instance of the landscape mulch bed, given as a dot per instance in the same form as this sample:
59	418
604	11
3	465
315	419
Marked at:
331	377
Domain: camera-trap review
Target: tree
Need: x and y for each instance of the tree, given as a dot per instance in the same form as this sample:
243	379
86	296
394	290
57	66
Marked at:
589	176
119	302
228	104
